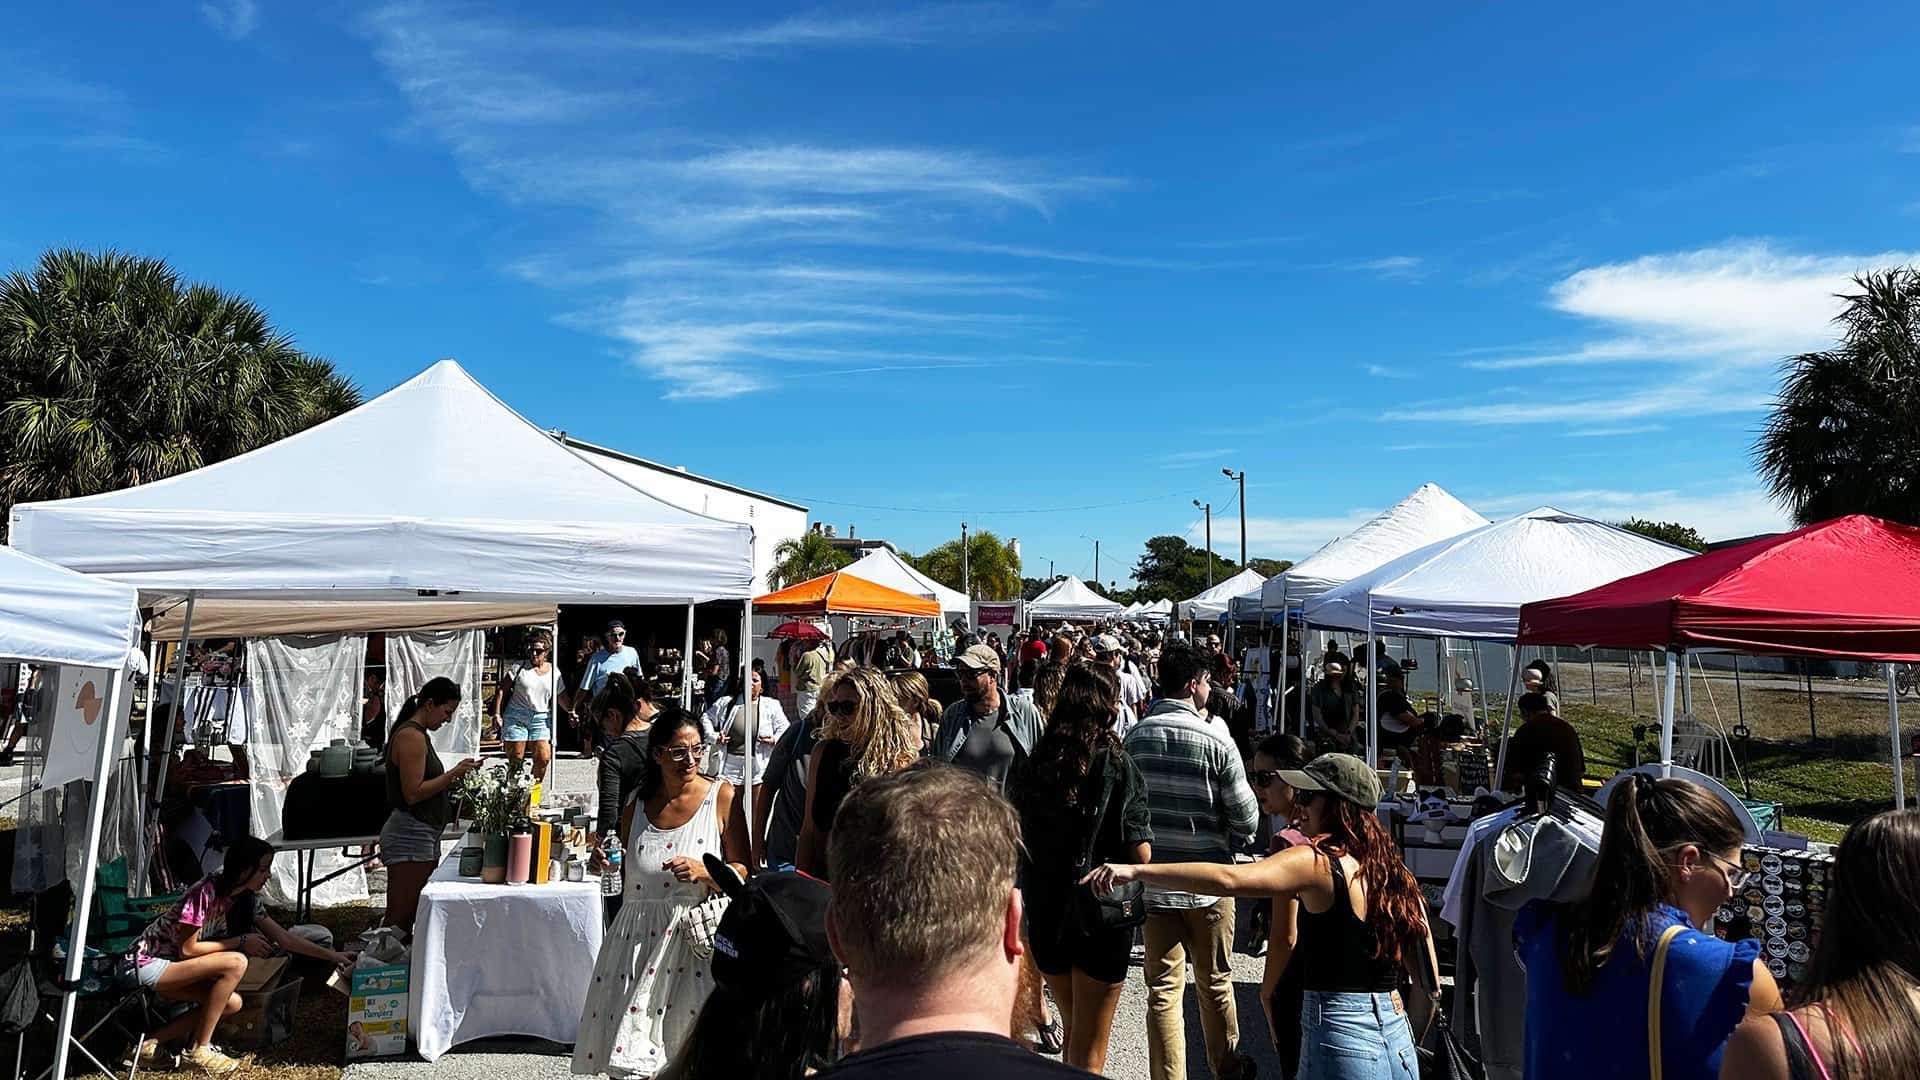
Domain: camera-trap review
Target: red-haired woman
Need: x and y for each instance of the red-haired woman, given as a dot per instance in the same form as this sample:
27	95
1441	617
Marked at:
1361	920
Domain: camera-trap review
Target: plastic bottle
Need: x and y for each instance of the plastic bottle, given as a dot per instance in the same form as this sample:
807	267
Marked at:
611	879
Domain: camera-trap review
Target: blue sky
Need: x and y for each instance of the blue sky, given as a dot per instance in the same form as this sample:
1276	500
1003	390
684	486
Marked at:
1046	269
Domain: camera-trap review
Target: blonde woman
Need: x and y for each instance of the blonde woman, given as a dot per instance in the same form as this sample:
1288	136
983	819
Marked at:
910	689
866	734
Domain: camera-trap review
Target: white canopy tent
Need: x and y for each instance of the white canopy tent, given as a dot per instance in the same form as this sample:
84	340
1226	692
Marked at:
49	615
882	566
411	494
1213	602
1473	585
1157	611
1071	598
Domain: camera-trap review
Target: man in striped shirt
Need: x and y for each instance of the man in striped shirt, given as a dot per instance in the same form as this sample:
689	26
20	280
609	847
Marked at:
1202	811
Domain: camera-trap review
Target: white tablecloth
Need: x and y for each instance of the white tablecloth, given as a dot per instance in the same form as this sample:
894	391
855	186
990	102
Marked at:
500	959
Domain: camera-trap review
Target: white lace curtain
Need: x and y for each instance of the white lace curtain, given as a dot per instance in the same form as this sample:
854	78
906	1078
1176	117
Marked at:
414	658
50	842
306	693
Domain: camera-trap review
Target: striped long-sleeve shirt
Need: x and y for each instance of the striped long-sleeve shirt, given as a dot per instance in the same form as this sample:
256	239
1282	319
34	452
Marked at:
1197	790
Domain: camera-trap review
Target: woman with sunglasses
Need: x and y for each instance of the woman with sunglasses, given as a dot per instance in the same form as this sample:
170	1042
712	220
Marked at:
523	706
866	734
648	984
1669	857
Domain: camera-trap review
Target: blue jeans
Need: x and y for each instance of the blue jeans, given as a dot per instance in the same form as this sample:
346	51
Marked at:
1355	1037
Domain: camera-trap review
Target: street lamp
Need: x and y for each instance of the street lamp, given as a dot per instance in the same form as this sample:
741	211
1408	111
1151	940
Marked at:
1207	509
1241	478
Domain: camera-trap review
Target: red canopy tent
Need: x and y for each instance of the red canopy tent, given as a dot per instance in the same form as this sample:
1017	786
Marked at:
1849	588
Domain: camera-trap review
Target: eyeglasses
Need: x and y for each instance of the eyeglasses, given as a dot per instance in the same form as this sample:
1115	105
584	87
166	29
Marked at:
1737	875
1263	777
685	754
842	708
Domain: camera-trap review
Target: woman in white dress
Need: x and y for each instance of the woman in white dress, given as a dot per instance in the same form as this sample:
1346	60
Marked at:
649	982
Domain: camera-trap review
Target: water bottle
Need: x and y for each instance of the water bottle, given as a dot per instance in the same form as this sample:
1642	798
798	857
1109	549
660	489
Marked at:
611	880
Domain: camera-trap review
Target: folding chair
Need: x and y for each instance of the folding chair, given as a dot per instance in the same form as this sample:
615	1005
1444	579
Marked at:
113	928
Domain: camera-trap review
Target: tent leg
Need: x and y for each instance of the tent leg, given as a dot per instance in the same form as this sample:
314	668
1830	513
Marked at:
179	700
1893	722
1666	717
1506	721
1373	682
89	866
1280	706
749	710
686	663
1304	633
1480	683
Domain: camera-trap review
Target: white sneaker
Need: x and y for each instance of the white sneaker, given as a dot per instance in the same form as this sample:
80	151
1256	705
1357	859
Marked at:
209	1060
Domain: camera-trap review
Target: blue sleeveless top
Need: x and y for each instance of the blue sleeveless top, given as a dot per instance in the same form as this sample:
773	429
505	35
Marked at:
1603	1034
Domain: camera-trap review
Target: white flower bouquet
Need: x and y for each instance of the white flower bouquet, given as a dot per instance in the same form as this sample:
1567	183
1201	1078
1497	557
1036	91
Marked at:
496	797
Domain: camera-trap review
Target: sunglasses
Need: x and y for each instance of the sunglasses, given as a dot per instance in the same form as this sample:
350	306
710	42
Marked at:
685	754
1263	777
842	708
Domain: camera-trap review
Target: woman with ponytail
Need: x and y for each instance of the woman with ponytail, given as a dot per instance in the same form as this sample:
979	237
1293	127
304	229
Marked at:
1361	921
417	788
1857	1015
1669	857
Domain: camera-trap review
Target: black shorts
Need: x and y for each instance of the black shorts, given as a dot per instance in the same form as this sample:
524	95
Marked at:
1060	946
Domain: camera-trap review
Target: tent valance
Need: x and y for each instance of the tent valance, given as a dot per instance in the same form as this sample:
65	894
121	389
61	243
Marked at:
275	618
841	593
51	615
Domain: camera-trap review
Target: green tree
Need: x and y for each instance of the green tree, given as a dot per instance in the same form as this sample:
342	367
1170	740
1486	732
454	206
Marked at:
1270	567
114	373
1173	569
1844	434
804	558
1671	532
993	571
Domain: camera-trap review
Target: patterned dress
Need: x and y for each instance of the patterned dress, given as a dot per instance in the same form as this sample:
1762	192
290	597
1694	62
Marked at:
648	985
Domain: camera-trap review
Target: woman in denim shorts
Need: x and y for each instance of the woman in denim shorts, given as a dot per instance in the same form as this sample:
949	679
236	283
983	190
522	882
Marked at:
523	706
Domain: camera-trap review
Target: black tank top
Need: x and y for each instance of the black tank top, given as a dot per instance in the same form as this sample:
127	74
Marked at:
434	810
1336	948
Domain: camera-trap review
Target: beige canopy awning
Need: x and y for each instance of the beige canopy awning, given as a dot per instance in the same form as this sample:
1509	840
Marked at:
215	618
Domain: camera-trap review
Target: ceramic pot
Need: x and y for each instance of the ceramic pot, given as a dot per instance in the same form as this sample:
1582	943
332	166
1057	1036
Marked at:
493	859
472	854
519	858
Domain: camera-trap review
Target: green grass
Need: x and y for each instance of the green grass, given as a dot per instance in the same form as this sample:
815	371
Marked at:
1824	784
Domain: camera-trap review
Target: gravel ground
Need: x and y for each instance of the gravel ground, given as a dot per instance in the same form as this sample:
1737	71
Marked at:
490	1059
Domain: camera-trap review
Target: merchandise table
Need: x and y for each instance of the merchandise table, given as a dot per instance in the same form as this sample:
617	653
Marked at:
361	850
500	959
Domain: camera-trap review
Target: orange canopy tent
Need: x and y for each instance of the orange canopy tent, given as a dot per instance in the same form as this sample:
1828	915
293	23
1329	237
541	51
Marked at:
840	593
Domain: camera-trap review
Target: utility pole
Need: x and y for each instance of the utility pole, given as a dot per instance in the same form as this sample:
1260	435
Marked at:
1096	557
1207	509
1241	479
965	586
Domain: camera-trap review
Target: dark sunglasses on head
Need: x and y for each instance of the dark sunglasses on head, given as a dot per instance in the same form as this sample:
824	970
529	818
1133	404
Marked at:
842	708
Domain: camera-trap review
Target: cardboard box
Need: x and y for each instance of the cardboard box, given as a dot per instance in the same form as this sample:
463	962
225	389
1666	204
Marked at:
377	1011
269	1001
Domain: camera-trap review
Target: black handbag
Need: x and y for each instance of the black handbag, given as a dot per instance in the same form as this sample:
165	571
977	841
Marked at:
1440	1053
1121	909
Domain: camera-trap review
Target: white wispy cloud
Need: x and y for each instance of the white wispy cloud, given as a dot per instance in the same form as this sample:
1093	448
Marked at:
1295	537
1609	432
1382	371
232	19
726	299
1394	267
1705	393
1734	304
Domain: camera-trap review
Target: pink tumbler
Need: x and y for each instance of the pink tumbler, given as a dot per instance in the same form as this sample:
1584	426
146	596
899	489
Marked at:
519	858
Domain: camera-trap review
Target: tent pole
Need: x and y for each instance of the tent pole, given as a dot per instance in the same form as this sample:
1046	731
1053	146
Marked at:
1686	685
1280	706
1506	721
1666	717
89	866
1480	683
686	663
144	752
1893	721
179	700
749	709
1304	632
1373	681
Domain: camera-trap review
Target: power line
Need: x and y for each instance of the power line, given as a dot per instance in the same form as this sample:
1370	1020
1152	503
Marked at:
975	511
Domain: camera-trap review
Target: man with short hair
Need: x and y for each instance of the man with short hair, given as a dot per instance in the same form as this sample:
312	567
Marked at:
809	675
1542	732
614	655
987	731
926	918
1202	811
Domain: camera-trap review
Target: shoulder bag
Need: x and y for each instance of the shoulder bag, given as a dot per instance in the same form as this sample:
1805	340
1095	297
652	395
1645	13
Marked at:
1653	998
1126	906
1439	1050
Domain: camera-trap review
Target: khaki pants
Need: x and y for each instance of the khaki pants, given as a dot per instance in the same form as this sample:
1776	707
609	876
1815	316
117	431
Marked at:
1204	936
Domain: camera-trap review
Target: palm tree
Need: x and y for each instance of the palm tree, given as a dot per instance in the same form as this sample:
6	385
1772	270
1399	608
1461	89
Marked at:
804	558
993	570
115	373
1844	436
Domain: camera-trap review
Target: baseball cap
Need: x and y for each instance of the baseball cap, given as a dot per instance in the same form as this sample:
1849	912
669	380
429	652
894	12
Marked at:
980	658
1106	643
616	624
1342	774
774	929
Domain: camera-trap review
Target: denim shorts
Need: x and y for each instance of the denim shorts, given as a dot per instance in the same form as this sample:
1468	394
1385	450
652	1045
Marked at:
147	975
405	838
525	725
1355	1036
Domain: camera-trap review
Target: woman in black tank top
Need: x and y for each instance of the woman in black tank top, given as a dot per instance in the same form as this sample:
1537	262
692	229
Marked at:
1353	1019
